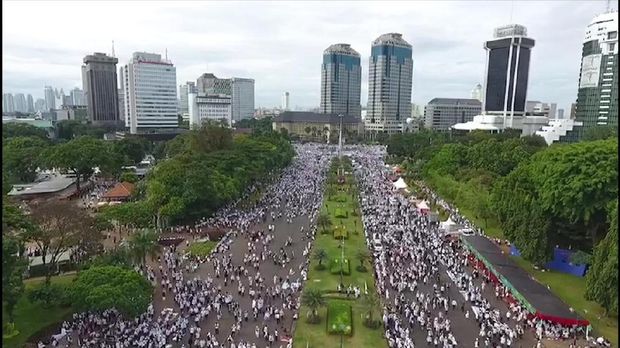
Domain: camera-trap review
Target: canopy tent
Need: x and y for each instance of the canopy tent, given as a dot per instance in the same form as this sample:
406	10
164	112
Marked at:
423	207
400	184
448	225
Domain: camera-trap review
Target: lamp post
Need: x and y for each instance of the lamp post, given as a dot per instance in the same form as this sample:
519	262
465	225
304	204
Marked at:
341	260
340	137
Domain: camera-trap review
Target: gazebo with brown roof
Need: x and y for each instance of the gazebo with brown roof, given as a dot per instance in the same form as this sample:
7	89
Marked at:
120	192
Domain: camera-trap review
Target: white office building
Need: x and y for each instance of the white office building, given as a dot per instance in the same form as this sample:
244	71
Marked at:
215	107
77	97
242	98
150	93
20	103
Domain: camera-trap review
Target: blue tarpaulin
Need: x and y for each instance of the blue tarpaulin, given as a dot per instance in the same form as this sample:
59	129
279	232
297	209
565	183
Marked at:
561	262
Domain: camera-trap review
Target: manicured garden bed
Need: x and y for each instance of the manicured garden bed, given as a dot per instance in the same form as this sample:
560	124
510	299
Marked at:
339	318
336	264
201	249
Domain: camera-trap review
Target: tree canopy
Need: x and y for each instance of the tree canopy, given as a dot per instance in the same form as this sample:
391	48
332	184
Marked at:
15	129
21	156
105	287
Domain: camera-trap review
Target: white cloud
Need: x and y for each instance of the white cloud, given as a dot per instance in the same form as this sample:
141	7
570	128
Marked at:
280	44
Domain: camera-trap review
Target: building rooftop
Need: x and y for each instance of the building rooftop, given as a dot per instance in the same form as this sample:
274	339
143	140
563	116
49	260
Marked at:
455	102
391	38
510	30
341	48
314	117
54	183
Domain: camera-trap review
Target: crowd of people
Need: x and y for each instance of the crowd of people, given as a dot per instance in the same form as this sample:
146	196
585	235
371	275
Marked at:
245	294
432	294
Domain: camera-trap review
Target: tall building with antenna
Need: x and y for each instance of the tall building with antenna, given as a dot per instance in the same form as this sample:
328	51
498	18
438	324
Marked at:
100	85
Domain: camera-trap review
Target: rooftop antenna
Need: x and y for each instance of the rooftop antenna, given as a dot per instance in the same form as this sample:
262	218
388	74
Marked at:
166	53
512	7
608	6
113	49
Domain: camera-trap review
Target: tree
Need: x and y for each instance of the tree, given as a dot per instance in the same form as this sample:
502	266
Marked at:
14	129
21	156
129	177
80	156
362	256
12	269
602	278
144	243
370	301
131	149
600	133
313	298
60	227
320	255
106	287
324	221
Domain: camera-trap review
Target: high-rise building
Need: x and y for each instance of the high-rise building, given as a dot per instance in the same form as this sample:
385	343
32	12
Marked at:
30	103
121	101
539	108
50	98
442	113
20	103
597	96
8	103
476	93
77	97
341	81
59	98
184	90
286	101
507	72
573	110
215	107
389	84
209	84
150	92
242	98
100	85
39	105
560	113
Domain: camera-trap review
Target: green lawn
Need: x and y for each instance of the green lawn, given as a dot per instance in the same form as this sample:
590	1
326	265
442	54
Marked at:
571	290
32	317
315	335
201	249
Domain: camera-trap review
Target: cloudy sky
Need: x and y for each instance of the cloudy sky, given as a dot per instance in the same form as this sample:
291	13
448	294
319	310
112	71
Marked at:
280	44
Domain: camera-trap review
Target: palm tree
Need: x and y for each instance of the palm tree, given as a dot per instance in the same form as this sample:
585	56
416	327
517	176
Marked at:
362	256
370	301
313	298
143	243
320	255
324	221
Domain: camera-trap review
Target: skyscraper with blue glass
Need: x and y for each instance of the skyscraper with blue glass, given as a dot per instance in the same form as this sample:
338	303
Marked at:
389	84
341	81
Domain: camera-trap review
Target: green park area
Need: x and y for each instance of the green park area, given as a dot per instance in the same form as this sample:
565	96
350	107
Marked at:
201	249
34	316
327	316
537	197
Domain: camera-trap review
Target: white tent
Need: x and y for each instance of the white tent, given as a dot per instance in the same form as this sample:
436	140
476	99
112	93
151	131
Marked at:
422	205
400	184
448	225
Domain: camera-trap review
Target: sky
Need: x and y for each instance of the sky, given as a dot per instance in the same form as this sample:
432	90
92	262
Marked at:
280	43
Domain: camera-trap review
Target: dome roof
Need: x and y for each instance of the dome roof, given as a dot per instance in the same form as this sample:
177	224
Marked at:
392	39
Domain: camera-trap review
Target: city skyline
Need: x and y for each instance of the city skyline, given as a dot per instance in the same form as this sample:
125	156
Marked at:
448	60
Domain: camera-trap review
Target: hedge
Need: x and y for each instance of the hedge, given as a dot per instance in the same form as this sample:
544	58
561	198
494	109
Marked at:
341	213
335	265
338	314
340	232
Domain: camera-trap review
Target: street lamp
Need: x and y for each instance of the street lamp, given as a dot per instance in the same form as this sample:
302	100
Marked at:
341	260
342	327
340	137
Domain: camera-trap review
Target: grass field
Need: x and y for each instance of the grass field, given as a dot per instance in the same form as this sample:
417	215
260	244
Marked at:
32	317
201	249
571	290
315	335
